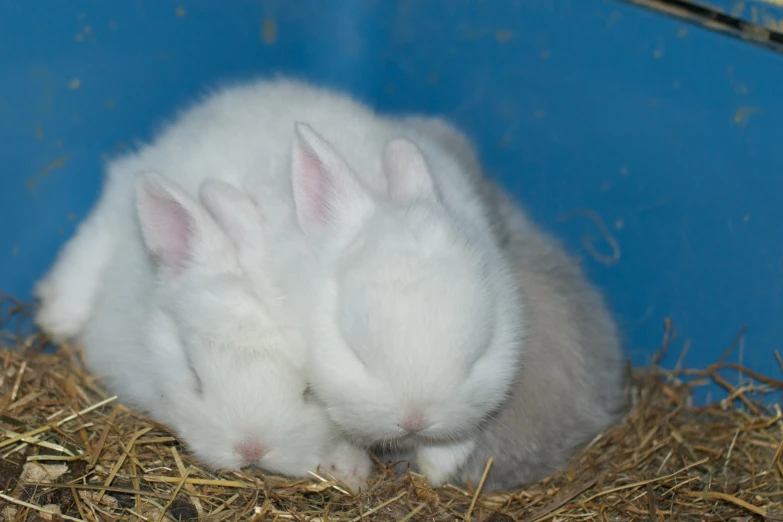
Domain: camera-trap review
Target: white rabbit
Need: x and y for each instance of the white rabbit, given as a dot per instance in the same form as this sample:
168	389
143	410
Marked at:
177	330
413	317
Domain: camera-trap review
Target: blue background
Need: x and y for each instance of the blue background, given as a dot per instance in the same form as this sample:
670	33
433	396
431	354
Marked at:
666	131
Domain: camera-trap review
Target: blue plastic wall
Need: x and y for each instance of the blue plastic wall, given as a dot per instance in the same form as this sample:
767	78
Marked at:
666	131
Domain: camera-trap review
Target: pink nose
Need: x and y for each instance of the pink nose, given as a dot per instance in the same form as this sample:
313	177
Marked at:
413	421
250	450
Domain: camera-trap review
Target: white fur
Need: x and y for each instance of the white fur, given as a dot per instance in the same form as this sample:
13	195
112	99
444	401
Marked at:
380	244
410	310
67	294
177	330
439	461
349	464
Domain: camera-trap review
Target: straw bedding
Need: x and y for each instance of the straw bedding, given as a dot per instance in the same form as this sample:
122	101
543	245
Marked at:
70	452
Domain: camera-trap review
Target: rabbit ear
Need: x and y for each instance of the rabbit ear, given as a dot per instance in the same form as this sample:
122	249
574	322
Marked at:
330	201
407	172
177	231
234	211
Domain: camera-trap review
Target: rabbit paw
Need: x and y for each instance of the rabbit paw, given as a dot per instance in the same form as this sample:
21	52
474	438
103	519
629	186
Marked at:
441	463
350	465
61	315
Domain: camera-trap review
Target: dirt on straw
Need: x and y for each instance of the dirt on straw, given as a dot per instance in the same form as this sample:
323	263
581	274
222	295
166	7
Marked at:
68	451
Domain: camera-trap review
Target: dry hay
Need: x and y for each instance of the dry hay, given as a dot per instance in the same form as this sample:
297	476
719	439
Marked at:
69	452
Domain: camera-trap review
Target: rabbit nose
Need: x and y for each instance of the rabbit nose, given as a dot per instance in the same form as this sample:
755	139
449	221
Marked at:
413	421
250	450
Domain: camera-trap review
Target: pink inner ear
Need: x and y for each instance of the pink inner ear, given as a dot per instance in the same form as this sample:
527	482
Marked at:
168	231
313	179
179	231
329	200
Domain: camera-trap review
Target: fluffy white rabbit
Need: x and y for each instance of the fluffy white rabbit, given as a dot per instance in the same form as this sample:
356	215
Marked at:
177	330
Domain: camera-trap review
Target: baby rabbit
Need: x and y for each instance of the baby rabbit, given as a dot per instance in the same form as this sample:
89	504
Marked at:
178	332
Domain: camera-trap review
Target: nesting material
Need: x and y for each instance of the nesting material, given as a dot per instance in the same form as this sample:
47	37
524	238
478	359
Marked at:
68	451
